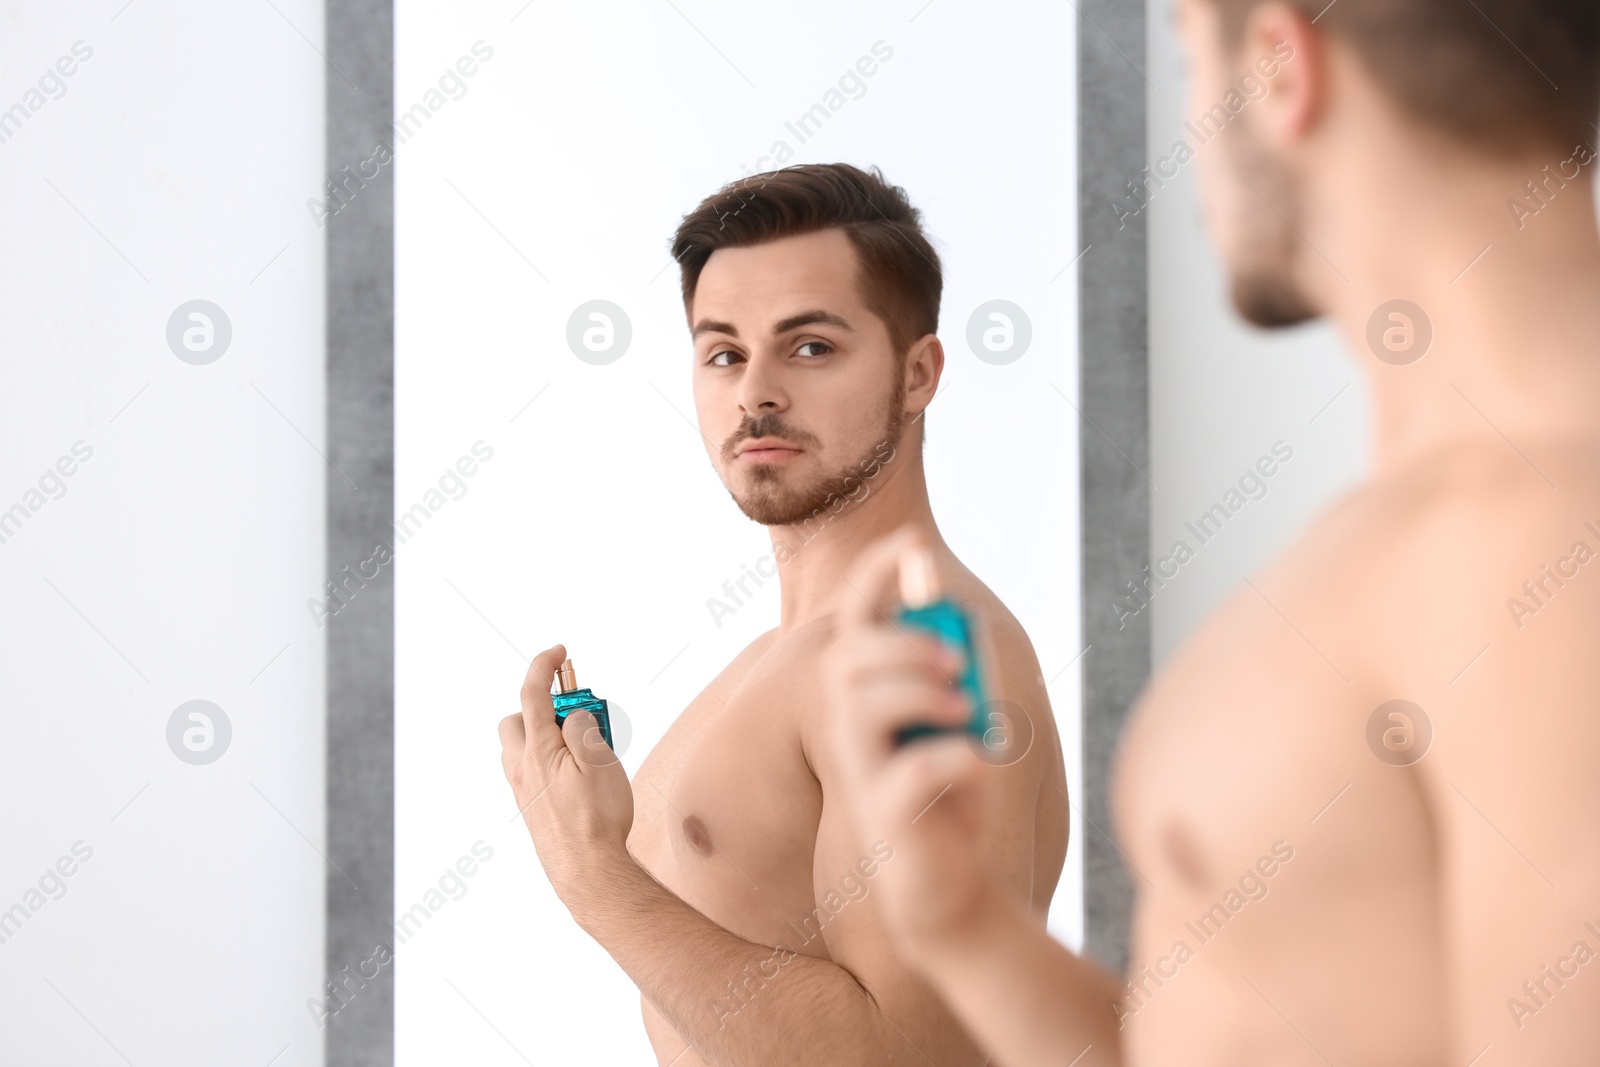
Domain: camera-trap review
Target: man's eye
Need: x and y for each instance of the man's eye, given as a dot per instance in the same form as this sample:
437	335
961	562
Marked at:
825	346
716	359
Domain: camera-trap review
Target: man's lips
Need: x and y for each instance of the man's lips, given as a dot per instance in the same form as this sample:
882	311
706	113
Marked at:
766	450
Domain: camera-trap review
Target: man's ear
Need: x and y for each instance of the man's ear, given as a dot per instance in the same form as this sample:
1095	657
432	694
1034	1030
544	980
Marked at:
1282	39
924	366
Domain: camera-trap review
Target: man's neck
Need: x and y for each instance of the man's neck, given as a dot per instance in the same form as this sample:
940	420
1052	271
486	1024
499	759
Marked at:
816	555
1514	312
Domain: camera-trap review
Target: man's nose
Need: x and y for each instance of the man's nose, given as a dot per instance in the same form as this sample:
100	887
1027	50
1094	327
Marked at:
761	389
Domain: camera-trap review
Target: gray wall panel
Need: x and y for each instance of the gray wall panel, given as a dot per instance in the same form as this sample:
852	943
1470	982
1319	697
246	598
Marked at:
1114	394
360	435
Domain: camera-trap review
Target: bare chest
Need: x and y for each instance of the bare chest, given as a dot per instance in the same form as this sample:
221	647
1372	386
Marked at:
1277	853
1247	725
725	806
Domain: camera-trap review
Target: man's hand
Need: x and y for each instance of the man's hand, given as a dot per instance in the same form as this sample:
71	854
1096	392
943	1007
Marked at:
926	798
570	787
1018	993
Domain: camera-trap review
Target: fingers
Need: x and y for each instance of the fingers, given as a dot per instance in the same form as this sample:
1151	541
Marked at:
872	588
511	751
582	734
920	777
935	658
512	735
878	650
883	680
543	737
884	704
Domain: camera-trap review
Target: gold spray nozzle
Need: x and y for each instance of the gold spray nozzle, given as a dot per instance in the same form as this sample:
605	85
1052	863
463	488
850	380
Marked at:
566	677
919	578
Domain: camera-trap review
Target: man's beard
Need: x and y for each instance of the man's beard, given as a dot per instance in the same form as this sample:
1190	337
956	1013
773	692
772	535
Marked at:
772	503
1263	289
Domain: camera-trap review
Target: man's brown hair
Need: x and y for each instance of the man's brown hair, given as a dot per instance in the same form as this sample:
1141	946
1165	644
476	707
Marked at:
899	276
1507	76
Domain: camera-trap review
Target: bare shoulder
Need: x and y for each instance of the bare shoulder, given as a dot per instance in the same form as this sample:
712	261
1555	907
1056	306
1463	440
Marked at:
1031	767
1471	590
1012	651
1011	669
1010	659
1481	611
802	654
1423	571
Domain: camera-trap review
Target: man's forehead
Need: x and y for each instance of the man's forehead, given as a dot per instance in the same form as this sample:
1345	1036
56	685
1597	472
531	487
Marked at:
768	287
823	261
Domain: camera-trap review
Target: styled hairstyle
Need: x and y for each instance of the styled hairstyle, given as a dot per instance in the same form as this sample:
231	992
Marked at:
1505	76
899	277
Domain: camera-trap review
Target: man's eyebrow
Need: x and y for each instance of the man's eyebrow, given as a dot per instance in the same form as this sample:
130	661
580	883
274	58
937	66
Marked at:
713	326
793	322
807	318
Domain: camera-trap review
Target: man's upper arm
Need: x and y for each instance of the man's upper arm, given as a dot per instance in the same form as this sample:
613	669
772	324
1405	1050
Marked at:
1514	786
1512	775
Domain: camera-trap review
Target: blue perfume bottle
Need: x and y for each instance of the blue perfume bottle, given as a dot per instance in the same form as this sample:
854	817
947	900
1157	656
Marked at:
923	607
569	698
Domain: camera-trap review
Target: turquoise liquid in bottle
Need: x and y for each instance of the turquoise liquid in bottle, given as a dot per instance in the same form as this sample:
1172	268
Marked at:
569	698
923	608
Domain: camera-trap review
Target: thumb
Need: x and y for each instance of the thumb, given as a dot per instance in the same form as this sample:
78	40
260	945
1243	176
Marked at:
873	584
583	737
939	770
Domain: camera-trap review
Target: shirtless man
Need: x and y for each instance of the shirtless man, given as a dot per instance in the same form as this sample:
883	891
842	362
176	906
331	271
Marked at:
728	881
1323	877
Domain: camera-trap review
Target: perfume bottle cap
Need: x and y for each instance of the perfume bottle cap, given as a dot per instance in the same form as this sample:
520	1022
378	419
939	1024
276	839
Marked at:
919	578
566	677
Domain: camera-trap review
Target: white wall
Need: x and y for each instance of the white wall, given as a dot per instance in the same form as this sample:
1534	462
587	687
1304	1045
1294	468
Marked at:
173	564
1222	393
553	175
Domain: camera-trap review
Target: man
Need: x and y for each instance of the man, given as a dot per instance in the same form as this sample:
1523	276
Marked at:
1323	876
730	882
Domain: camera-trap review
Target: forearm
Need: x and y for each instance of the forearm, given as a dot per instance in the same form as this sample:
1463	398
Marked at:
1021	994
735	1002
